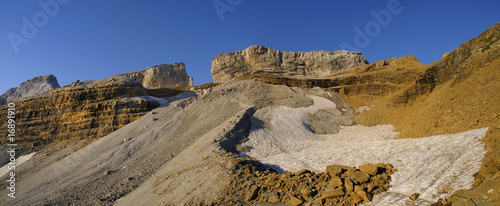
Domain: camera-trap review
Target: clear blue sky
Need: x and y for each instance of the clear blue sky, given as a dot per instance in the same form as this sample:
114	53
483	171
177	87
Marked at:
93	39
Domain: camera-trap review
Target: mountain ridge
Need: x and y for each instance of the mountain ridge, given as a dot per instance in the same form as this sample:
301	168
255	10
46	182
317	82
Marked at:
193	147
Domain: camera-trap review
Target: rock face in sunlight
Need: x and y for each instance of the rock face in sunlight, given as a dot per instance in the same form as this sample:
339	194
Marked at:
160	76
80	112
36	87
83	112
264	60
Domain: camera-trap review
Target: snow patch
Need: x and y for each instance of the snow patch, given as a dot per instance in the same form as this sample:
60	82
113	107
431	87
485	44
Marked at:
424	165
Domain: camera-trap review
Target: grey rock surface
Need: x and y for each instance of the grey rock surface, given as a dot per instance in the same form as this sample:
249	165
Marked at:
329	121
160	76
35	87
263	60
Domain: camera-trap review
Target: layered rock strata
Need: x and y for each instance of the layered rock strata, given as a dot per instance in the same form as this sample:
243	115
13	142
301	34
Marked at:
263	60
400	77
83	112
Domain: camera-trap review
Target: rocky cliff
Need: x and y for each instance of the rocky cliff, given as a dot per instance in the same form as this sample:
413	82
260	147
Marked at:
396	77
160	76
263	60
82	112
35	87
462	90
469	57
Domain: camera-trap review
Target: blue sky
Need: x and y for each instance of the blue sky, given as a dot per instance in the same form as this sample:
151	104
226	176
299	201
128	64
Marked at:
93	39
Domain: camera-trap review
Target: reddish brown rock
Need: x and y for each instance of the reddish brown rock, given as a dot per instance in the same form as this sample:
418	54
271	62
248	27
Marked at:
361	177
335	170
414	196
332	193
295	201
369	168
335	182
367	197
252	194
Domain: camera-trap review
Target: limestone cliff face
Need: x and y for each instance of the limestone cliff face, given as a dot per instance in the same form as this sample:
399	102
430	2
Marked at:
82	112
35	87
160	76
257	60
398	77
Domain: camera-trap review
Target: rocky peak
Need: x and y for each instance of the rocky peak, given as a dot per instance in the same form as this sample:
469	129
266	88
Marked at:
264	60
35	87
160	76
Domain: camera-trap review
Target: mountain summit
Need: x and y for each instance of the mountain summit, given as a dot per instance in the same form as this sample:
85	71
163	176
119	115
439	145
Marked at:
37	86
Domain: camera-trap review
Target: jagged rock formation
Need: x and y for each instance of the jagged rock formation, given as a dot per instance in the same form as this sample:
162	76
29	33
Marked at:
264	60
35	87
160	76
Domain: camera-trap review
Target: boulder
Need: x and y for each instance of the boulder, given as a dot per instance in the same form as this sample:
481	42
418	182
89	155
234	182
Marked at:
369	168
295	201
335	182
252	194
414	196
325	122
332	193
367	197
335	170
